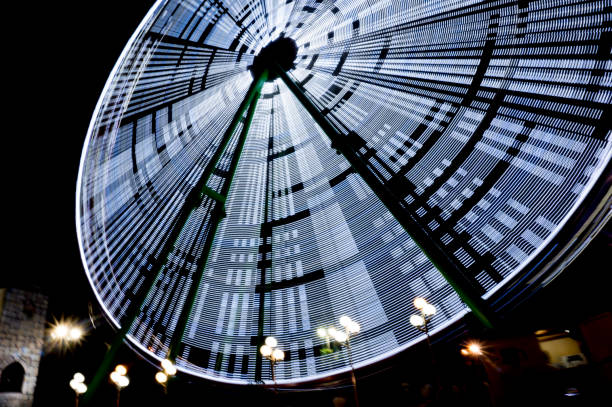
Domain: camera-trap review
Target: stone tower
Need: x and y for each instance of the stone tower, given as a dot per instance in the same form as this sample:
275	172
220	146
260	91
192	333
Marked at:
22	330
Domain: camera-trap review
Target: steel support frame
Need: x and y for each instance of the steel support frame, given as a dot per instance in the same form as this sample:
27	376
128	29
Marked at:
448	267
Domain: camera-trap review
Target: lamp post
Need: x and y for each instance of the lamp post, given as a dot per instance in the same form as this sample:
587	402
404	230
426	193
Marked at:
481	369
350	328
422	320
119	378
274	355
78	385
326	333
162	376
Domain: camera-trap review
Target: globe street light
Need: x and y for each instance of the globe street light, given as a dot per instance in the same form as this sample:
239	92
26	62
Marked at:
59	331
350	328
161	378
75	333
119	378
422	320
169	367
121	370
78	385
168	370
479	364
269	351
64	331
326	333
65	334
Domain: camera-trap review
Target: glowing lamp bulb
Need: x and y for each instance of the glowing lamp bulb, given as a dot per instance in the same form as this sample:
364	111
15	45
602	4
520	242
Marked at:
166	363
419	302
114	376
417	320
60	331
271	341
278	354
161	377
321	332
475	349
171	371
80	388
123	381
75	333
429	309
78	377
265	350
168	367
340	336
121	370
345	321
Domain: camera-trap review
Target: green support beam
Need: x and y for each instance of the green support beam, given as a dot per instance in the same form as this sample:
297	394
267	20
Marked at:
262	270
447	266
214	195
192	201
215	218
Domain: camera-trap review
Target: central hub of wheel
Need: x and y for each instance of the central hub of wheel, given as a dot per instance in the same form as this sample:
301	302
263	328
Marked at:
279	54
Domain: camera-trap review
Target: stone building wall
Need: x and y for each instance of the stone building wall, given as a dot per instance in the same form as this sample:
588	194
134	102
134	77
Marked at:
22	331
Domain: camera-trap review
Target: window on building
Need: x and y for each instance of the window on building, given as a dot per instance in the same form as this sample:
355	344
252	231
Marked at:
11	379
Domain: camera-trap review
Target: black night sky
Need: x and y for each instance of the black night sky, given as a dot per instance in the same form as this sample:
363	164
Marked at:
61	58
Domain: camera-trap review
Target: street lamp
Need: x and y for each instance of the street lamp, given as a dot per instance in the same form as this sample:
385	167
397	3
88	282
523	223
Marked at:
161	378
479	364
473	349
422	320
350	328
169	367
59	331
326	333
168	370
78	385
274	355
119	378
64	331
75	333
64	334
